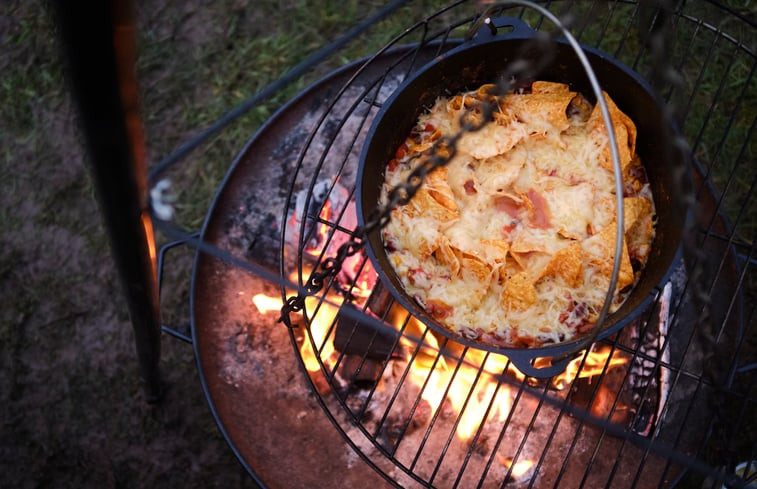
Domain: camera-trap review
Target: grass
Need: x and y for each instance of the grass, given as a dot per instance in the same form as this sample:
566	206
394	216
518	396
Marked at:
233	63
73	413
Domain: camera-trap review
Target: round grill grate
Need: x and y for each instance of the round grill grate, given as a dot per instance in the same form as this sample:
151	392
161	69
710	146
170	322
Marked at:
669	398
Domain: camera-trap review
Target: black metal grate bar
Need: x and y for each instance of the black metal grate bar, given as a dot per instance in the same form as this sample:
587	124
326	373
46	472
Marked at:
389	421
678	370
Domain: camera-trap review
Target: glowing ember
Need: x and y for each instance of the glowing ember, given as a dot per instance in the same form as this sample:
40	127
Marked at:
323	236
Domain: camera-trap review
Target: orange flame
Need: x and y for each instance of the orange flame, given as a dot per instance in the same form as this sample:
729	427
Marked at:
266	304
521	469
470	387
320	324
467	379
594	365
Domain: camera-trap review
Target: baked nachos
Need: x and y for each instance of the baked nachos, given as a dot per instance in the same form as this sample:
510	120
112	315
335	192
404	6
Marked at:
512	242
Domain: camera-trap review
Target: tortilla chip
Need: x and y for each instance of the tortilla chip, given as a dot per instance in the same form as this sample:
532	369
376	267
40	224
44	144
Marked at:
503	118
580	108
495	250
519	292
600	251
568	264
552	105
472	266
487	92
522	245
533	262
437	185
634	209
446	256
549	87
401	223
625	133
424	204
491	140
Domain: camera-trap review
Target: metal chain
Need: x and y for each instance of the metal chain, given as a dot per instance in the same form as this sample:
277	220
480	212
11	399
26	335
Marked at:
442	152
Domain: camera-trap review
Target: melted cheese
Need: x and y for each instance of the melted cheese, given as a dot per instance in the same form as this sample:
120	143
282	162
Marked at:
476	247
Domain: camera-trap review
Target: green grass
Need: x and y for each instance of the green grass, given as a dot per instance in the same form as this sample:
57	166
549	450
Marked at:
196	62
182	96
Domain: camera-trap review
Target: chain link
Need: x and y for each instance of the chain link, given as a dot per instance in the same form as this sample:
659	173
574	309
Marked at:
442	152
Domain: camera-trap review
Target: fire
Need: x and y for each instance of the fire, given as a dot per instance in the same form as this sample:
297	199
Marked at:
596	362
468	385
465	378
266	304
447	375
323	316
324	235
521	469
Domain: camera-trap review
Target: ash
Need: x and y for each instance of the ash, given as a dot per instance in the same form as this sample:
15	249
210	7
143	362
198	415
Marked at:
314	153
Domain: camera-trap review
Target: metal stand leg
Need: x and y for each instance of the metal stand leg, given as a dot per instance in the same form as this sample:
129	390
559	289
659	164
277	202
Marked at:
98	38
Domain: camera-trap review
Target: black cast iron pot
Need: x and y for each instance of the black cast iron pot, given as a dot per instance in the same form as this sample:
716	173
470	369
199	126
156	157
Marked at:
480	61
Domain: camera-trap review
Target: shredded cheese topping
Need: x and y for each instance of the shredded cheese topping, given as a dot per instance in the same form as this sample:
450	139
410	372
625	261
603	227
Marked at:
512	242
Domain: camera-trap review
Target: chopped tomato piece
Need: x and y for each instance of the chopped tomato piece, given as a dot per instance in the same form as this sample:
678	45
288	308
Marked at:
507	229
438	309
470	187
401	151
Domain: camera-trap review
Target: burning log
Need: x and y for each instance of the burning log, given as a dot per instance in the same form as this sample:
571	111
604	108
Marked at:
636	402
367	338
649	380
364	338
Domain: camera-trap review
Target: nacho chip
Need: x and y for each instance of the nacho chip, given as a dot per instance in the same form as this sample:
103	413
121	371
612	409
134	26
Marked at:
447	257
600	253
533	262
572	208
543	112
625	133
473	267
424	204
524	245
519	292
491	140
495	250
438	188
549	87
579	108
635	208
568	264
399	228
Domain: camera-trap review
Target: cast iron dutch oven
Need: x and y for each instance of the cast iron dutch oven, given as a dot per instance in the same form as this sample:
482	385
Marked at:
480	61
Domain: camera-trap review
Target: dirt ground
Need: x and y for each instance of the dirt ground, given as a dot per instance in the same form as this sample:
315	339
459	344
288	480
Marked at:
73	412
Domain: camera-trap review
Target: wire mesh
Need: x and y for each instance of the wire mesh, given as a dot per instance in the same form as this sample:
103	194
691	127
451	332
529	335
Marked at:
707	357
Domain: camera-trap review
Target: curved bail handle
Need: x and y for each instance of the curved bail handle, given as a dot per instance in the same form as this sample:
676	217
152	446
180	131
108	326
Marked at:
487	27
524	361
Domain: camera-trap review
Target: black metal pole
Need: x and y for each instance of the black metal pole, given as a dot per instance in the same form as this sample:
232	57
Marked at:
98	42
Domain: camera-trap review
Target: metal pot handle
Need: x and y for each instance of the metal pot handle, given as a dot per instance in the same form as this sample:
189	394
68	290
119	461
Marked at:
508	26
525	360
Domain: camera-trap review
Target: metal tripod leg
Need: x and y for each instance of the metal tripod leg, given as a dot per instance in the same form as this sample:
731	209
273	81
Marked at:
98	41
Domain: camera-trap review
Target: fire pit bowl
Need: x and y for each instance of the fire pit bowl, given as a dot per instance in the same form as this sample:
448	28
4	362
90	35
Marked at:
480	61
